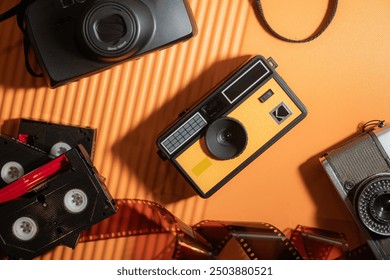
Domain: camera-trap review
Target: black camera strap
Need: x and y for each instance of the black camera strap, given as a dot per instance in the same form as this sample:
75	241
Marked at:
330	14
19	11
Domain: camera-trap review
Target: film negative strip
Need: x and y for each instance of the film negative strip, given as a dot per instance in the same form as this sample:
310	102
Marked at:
319	244
17	159
216	239
362	252
52	205
56	139
220	240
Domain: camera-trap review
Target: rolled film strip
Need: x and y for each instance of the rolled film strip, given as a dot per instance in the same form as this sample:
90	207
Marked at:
216	239
220	240
319	244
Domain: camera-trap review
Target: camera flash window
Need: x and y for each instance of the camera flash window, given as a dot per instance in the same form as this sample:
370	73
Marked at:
181	135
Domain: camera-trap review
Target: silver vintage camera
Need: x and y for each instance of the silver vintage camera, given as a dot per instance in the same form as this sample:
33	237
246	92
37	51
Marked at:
360	172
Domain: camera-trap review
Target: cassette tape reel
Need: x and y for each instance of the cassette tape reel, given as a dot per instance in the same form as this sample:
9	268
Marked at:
56	139
17	159
57	211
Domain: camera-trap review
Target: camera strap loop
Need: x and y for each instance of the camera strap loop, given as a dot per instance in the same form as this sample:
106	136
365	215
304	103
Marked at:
330	14
19	10
11	12
372	124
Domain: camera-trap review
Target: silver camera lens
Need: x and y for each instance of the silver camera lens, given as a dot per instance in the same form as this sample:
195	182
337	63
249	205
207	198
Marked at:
373	204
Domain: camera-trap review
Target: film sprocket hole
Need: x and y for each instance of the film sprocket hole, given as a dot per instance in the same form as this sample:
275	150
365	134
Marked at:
73	39
241	118
360	171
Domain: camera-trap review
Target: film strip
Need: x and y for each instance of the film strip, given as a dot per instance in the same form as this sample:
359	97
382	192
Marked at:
216	239
220	240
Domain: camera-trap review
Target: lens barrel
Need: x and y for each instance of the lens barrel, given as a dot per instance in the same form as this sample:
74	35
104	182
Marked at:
373	204
114	30
226	138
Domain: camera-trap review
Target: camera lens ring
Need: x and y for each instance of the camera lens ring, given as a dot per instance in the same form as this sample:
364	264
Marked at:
372	206
109	31
226	138
380	206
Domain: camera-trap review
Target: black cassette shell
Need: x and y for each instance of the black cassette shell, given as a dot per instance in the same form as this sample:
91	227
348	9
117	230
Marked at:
55	223
25	156
44	135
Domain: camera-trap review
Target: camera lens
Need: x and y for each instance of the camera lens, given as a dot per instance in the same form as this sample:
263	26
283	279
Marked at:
111	29
373	203
114	30
381	207
226	138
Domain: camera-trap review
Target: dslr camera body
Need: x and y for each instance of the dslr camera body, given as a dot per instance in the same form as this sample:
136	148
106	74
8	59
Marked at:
360	171
76	38
236	122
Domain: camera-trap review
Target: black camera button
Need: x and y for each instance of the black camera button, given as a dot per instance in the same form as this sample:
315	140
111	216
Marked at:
215	107
266	96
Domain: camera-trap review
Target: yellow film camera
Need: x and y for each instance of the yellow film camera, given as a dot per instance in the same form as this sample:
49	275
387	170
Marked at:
241	118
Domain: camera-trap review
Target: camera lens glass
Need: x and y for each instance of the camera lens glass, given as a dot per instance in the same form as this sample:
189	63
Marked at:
226	138
381	207
110	29
114	30
373	204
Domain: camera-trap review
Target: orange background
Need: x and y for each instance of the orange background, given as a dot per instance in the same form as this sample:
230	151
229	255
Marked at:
342	77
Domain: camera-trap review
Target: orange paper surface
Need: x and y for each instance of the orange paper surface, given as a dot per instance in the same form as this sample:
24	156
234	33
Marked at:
342	78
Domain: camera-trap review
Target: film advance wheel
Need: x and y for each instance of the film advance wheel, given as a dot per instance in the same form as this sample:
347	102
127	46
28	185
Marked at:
75	201
226	138
25	228
11	171
59	148
373	204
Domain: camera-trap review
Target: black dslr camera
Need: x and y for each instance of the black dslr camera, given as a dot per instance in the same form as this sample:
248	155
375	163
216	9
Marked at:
360	172
76	38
